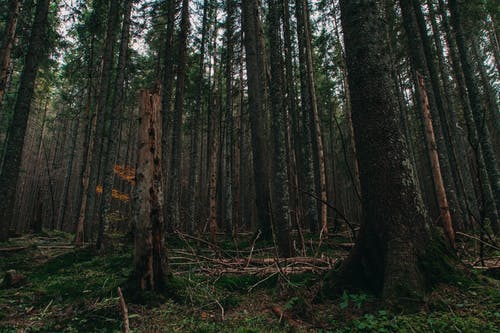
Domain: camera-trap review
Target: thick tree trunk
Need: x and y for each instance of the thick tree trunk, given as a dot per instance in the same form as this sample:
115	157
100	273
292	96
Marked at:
15	144
8	43
150	257
393	238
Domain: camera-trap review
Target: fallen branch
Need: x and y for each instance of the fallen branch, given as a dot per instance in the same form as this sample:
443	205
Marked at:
123	305
13	249
478	239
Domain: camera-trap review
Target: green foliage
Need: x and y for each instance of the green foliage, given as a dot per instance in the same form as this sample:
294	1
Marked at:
75	291
384	322
355	300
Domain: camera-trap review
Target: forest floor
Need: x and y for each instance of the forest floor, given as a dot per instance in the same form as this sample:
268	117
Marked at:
229	288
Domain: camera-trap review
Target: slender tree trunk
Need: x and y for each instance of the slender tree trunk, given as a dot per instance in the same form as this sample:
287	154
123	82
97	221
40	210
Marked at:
15	144
296	160
8	43
168	82
103	94
212	186
256	101
492	115
69	171
436	168
113	130
214	157
280	196
456	143
489	204
310	206
175	144
422	62
229	73
316	127
87	139
237	145
478	112
195	128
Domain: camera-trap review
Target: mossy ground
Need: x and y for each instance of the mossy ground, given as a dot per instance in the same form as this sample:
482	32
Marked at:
74	290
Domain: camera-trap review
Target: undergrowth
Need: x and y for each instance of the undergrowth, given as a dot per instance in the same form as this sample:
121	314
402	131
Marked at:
75	291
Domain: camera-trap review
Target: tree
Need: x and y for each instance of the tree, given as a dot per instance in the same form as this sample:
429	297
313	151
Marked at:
280	202
394	244
257	91
101	116
476	104
422	62
175	144
150	257
15	144
7	44
116	109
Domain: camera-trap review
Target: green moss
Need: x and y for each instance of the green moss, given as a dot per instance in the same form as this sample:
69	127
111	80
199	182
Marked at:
439	265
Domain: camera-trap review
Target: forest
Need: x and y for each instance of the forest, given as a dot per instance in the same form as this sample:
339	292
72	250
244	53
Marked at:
249	166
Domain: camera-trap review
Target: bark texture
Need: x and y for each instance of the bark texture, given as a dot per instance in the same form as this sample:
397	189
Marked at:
393	236
150	257
15	142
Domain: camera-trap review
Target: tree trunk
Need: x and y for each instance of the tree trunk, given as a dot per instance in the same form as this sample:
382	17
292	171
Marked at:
8	43
174	187
150	256
69	171
88	131
422	62
229	73
488	200
393	239
476	104
15	144
280	197
195	127
436	168
256	102
101	115
292	124
168	82
465	186
113	129
316	138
